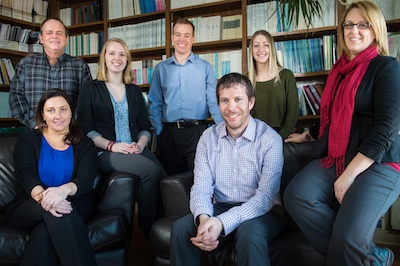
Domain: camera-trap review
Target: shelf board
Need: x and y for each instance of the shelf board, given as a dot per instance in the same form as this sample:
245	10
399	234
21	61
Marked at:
393	25
12	53
311	74
4	87
306	117
214	46
216	7
148	53
97	26
10	122
20	23
136	19
304	34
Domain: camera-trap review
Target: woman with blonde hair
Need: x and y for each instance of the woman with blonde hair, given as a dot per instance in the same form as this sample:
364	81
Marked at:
275	87
338	200
112	112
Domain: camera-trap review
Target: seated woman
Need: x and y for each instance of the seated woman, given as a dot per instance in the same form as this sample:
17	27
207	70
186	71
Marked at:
112	112
338	200
55	166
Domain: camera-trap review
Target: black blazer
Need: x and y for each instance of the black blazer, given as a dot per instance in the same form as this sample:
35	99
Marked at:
95	110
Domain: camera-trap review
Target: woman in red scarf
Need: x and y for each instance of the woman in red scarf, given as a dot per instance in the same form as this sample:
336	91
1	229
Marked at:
337	200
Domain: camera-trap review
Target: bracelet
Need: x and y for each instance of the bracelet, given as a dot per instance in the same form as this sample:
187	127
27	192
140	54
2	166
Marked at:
39	197
112	143
109	145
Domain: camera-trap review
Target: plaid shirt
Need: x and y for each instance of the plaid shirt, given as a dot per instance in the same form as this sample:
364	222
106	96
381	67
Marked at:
34	75
246	170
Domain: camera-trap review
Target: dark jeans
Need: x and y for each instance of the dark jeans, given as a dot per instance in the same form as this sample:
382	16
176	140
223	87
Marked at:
250	239
343	232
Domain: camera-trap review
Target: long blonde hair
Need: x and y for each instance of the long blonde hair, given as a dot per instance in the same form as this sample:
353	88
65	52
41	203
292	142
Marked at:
374	16
274	65
102	71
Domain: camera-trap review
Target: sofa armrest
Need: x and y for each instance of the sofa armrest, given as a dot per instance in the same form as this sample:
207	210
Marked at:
298	155
118	192
175	193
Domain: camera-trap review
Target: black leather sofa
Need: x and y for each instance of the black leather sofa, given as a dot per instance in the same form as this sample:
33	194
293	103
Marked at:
110	229
289	249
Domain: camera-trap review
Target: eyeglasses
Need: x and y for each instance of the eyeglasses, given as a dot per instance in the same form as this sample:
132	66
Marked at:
360	25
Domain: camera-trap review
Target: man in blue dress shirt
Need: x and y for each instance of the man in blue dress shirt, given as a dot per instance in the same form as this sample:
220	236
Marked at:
235	196
182	98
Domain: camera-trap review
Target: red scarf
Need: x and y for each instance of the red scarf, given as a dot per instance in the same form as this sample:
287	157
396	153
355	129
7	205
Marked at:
337	104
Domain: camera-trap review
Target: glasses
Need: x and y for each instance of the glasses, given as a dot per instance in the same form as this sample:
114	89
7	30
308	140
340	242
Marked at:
360	25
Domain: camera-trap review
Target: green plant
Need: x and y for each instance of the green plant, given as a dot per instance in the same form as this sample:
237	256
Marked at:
310	9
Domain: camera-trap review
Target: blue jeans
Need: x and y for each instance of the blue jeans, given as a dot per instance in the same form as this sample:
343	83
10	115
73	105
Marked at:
250	239
343	232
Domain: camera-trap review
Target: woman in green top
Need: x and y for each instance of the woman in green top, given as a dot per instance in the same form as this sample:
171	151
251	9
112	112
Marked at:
275	87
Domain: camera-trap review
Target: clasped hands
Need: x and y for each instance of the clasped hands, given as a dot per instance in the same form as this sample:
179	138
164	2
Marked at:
128	148
54	201
208	233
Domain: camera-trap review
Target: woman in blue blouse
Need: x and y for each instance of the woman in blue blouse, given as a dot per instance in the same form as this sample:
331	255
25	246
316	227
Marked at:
55	166
111	111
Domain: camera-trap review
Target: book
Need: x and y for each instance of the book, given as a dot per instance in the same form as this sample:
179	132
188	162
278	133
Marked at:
309	104
231	27
320	88
311	100
315	94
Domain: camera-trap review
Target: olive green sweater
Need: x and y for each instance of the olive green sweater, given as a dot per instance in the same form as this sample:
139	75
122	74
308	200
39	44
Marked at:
277	104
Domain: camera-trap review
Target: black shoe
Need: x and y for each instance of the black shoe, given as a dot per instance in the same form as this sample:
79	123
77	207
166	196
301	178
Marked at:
383	256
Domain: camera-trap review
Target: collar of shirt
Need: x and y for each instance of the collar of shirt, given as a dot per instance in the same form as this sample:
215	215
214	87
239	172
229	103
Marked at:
60	59
249	133
191	58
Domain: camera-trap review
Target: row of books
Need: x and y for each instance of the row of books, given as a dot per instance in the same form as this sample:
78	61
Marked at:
7	71
271	17
4	106
309	98
215	28
16	33
142	35
82	13
224	62
390	8
85	44
307	55
186	3
143	70
27	10
126	8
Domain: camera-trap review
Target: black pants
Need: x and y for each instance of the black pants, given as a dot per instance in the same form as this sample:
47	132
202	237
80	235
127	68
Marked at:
53	241
177	147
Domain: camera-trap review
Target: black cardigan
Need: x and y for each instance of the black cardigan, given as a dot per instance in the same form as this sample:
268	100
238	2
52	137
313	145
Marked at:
95	110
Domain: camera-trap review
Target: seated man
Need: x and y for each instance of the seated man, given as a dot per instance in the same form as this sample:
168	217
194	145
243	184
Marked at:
235	195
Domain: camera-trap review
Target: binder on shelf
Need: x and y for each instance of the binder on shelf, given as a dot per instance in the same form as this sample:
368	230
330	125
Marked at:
6	11
17	14
35	48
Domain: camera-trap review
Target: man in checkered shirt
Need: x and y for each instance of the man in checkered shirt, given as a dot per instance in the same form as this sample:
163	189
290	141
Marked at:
37	73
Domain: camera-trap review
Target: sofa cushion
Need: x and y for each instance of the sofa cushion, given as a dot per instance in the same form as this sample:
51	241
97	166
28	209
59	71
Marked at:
8	183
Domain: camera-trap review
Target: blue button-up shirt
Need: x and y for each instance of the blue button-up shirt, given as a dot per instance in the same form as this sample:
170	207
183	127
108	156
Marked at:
246	170
183	91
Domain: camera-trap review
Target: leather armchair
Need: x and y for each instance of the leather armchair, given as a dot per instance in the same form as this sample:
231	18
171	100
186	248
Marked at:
289	249
110	228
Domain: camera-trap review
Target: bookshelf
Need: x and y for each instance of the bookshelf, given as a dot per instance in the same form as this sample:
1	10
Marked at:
14	56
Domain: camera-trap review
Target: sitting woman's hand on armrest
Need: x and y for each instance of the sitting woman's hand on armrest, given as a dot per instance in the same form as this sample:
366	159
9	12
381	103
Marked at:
299	138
